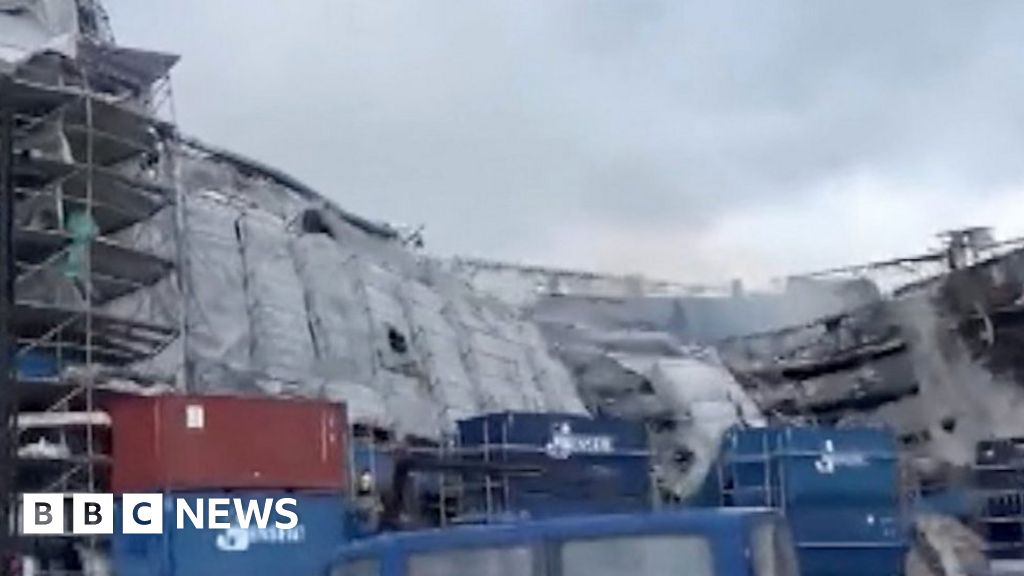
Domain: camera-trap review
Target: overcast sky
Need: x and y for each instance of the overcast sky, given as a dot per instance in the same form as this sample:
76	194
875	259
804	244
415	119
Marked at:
696	141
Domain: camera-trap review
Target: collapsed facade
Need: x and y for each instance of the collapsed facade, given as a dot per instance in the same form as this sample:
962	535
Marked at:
937	359
151	262
208	272
938	362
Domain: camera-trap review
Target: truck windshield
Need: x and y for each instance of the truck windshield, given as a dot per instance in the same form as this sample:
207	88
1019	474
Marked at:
358	568
648	555
773	553
512	561
634	555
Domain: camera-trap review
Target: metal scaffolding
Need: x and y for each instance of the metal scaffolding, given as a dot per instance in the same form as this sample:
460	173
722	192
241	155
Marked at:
81	163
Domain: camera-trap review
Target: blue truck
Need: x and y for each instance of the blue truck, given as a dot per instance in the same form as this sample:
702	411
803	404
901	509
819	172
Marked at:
695	542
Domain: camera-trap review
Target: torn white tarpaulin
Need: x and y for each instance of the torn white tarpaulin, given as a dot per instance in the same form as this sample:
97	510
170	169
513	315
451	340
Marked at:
491	359
158	304
688	397
423	351
156	235
278	303
689	380
416	412
340	327
441	353
705	391
552	377
282	346
219	341
505	327
28	27
338	317
401	376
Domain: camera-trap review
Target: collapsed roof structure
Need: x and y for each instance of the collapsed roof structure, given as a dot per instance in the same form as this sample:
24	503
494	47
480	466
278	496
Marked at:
150	262
936	357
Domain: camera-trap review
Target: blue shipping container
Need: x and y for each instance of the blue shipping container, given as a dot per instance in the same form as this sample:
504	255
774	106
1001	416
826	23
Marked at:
789	466
540	431
834	541
589	464
612	474
306	550
861	526
838	488
839	560
540	505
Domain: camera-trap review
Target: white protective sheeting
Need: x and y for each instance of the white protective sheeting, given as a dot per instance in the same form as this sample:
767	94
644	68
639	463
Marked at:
158	304
442	353
953	548
156	235
282	346
553	378
28	27
691	382
686	394
402	379
278	294
493	360
283	300
219	341
340	328
704	390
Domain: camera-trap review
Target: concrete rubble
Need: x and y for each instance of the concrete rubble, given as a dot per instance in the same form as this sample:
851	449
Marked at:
945	547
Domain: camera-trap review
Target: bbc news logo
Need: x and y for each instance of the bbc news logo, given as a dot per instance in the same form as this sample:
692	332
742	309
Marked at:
91	514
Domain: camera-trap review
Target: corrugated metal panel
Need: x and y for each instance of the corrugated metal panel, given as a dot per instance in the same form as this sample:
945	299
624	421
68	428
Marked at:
180	442
305	550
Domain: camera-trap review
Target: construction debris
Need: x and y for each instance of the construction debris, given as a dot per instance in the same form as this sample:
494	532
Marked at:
945	547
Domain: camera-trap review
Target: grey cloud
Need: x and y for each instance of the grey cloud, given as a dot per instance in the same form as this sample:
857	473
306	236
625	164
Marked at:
494	123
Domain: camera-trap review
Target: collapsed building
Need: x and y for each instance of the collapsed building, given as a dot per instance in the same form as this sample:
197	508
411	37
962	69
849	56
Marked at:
938	362
151	262
147	261
935	358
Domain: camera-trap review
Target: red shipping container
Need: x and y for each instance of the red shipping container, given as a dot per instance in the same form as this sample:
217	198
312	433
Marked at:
212	442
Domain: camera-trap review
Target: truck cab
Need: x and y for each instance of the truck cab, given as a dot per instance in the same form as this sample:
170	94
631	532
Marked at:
697	542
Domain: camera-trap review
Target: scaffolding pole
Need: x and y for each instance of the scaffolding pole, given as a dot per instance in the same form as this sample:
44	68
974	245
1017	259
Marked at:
8	397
